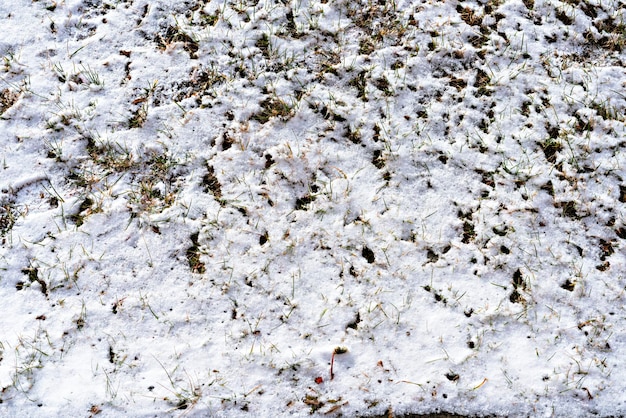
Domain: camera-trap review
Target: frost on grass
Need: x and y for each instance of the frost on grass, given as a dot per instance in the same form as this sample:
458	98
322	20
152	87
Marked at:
232	208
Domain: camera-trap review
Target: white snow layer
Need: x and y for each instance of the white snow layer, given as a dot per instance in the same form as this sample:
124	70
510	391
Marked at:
203	202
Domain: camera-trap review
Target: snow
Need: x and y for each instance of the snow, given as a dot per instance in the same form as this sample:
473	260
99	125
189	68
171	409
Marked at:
202	201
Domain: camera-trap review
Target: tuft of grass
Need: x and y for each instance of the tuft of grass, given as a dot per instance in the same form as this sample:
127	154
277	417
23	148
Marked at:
175	34
201	82
8	216
606	111
30	354
193	255
212	184
360	83
550	148
111	156
185	397
84	210
7	99
263	43
91	76
272	107
140	114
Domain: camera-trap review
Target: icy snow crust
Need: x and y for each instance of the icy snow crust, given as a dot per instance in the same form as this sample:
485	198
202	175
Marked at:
202	201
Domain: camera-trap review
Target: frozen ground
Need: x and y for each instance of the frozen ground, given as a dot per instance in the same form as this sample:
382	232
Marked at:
203	202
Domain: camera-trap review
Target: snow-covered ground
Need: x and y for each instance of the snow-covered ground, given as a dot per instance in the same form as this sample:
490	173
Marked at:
248	208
